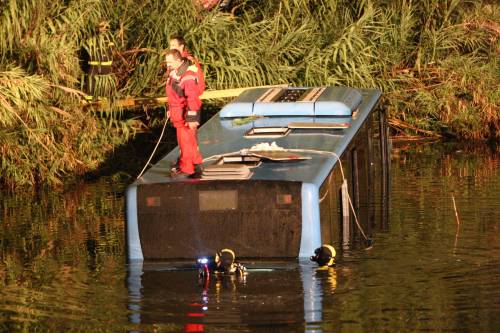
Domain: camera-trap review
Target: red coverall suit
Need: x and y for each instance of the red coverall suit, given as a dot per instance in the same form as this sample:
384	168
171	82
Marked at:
199	74
184	106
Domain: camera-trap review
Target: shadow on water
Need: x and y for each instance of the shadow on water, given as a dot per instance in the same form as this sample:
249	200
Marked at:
62	263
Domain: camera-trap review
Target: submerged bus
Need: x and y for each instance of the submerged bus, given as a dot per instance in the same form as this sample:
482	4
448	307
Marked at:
285	171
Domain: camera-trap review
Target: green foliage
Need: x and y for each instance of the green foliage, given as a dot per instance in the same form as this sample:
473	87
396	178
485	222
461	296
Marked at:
435	61
409	50
46	134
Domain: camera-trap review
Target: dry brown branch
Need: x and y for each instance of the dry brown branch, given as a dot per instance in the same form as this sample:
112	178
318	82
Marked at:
143	49
456	212
61	112
401	124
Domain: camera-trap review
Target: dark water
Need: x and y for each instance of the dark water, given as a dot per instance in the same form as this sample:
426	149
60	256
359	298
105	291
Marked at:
62	264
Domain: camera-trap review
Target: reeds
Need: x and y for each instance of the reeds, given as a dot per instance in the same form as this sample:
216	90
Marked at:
46	135
428	57
435	61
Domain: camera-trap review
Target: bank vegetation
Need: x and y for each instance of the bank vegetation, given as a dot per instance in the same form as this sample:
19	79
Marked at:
436	62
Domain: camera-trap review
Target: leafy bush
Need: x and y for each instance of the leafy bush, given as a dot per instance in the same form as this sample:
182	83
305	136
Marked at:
435	61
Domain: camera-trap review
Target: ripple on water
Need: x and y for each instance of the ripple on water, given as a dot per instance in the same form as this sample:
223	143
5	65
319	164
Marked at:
62	265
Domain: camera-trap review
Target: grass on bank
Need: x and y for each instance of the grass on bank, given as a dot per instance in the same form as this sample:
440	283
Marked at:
435	61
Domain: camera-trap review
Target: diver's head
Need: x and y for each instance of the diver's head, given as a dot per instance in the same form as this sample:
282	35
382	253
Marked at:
324	255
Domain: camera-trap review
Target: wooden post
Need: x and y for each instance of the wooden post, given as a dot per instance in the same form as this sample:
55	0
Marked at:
345	216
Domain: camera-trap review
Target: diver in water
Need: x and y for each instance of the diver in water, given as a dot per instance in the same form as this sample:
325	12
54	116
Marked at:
324	256
224	262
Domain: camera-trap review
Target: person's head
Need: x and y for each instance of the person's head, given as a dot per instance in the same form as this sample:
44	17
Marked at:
173	58
177	42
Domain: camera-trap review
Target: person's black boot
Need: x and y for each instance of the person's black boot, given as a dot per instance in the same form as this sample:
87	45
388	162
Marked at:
198	171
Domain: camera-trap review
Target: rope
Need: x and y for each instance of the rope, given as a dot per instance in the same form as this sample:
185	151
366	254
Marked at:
343	178
322	152
349	198
154	150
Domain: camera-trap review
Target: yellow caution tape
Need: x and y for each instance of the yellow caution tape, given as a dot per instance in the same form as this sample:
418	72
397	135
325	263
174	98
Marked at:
102	63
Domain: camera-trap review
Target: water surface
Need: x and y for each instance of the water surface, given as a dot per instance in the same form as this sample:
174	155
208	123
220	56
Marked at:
62	263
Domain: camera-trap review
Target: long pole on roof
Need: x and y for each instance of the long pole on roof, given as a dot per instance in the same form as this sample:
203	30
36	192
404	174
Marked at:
208	94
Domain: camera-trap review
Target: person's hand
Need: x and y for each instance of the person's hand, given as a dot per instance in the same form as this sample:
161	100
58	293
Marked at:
168	114
192	124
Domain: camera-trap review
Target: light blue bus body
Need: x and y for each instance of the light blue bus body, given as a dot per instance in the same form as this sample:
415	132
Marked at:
175	219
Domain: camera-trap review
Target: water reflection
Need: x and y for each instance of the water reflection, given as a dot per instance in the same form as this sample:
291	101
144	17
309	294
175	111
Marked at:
62	264
61	258
286	296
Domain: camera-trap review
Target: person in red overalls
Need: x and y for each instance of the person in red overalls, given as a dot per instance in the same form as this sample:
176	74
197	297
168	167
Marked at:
177	42
184	111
